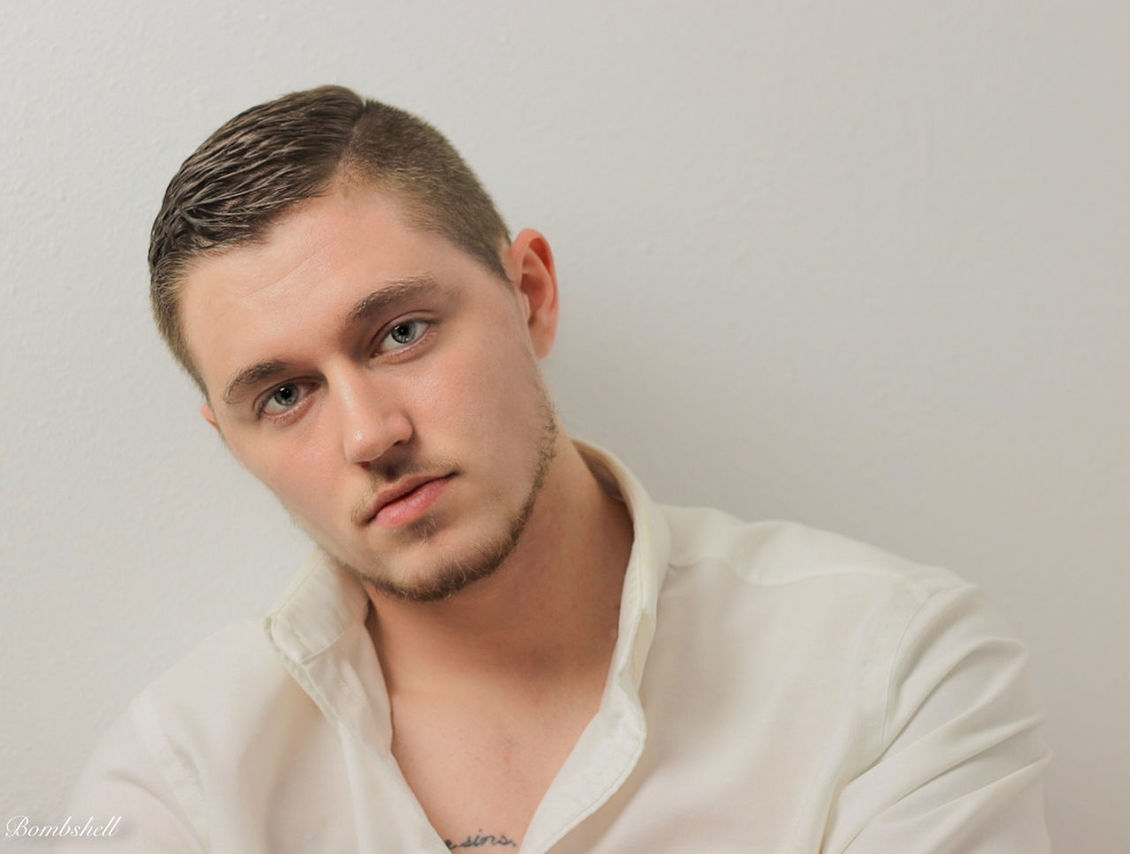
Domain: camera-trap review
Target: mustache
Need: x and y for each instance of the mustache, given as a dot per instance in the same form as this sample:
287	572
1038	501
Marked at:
392	475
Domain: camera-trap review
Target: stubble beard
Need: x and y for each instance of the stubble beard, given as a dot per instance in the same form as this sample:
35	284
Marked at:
486	557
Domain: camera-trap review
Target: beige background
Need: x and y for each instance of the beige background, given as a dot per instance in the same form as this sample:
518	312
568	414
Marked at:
864	265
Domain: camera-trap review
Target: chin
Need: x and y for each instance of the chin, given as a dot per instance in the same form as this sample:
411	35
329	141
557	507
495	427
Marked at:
433	587
447	574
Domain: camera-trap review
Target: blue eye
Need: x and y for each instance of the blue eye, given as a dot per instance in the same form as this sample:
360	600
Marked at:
283	398
402	334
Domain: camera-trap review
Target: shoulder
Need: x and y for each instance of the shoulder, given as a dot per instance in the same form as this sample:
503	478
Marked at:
237	659
772	554
194	729
229	681
223	703
824	598
904	652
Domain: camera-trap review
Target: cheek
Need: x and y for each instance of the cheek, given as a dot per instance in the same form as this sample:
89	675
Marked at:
295	470
484	391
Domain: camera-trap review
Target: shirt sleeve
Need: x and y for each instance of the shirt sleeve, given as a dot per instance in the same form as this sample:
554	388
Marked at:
133	775
960	756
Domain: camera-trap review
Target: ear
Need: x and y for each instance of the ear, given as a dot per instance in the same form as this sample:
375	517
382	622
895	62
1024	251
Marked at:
529	263
208	414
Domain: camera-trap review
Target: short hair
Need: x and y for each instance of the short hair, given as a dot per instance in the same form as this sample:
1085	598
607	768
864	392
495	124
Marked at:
269	158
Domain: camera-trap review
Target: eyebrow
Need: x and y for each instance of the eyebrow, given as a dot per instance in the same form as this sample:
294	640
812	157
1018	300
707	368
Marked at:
252	376
394	292
377	302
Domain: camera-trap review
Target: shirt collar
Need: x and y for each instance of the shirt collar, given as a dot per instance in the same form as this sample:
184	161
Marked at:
647	563
321	603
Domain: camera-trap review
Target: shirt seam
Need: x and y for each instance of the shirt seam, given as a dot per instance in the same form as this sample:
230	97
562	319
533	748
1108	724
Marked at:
918	588
899	650
156	745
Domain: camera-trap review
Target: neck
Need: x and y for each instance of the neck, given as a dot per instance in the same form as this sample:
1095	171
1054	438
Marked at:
547	616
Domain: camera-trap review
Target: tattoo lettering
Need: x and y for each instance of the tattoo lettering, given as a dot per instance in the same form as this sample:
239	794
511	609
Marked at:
479	840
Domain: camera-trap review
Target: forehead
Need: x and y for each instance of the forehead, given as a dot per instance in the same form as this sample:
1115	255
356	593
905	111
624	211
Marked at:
301	282
317	237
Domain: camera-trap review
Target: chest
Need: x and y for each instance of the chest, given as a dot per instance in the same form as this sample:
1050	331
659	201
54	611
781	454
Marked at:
480	772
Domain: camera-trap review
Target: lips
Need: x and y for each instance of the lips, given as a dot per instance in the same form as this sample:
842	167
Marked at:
406	500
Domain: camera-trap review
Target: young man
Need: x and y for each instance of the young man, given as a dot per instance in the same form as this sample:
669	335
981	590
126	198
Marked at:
501	642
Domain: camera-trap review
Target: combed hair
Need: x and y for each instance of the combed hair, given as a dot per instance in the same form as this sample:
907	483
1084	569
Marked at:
269	158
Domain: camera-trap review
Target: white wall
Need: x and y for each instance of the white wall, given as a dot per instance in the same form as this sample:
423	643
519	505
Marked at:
860	264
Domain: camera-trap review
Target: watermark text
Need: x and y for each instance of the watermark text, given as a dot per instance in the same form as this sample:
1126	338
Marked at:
21	825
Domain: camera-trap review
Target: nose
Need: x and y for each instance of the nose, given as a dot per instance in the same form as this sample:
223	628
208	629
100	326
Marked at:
372	419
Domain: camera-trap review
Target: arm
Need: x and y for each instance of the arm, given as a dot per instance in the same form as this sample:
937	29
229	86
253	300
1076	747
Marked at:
959	755
133	774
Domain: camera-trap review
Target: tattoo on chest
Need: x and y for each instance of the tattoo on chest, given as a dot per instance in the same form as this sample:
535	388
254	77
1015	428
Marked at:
480	839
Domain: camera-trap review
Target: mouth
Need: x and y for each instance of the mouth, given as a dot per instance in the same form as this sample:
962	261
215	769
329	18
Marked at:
406	501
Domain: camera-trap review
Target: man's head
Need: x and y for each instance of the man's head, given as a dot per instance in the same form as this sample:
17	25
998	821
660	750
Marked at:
273	156
366	347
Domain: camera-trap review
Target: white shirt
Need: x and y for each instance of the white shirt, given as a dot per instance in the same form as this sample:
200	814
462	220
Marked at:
773	689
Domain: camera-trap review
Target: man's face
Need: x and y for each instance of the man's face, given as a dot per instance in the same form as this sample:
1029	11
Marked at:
383	384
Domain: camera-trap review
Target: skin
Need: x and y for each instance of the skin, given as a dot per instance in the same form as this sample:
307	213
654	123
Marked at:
353	411
358	409
494	637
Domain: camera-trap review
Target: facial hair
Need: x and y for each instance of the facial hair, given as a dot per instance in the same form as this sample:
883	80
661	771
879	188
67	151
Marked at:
486	557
